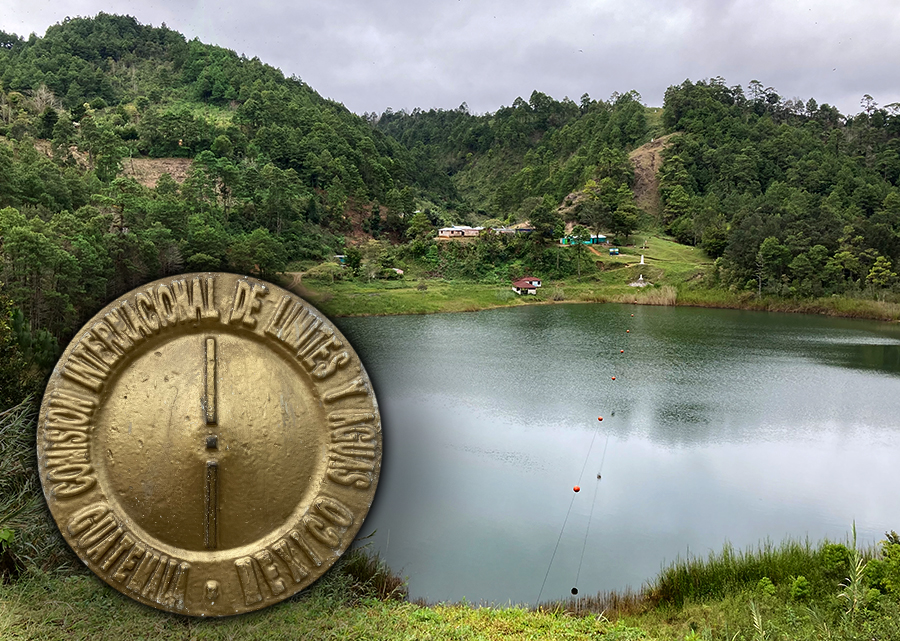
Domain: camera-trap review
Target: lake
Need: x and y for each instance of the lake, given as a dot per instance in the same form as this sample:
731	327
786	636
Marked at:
720	426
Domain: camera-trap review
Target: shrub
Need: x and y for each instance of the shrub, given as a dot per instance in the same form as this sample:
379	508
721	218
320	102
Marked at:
835	561
801	590
326	271
201	262
766	587
389	274
884	573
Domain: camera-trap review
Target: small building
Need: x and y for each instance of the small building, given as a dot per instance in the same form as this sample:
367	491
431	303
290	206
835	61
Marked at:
531	280
459	231
595	239
524	286
613	251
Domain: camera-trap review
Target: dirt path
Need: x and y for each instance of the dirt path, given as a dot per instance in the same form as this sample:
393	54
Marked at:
298	288
647	160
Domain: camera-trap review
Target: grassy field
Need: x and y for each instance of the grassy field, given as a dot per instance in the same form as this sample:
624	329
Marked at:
666	263
674	274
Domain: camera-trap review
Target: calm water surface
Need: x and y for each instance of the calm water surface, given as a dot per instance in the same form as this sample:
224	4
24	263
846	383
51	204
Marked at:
720	426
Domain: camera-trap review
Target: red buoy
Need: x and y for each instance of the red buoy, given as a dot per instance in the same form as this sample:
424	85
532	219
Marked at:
599	418
632	315
577	488
614	378
627	331
621	351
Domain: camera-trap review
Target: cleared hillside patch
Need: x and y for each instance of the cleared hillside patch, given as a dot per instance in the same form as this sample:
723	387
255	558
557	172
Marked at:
647	159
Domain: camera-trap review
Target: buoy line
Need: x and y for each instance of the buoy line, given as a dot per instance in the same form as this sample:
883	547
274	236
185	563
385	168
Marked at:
576	489
590	516
553	556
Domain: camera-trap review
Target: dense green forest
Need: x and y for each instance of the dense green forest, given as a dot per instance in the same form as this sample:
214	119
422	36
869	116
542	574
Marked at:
275	169
791	199
504	163
794	198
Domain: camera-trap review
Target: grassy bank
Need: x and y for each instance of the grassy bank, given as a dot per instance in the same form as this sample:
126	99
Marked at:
794	591
831	306
383	298
339	606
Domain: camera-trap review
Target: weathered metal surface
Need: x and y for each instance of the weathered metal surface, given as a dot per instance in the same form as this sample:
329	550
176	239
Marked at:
209	444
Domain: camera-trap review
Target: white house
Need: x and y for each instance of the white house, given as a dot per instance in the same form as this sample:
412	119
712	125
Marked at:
458	231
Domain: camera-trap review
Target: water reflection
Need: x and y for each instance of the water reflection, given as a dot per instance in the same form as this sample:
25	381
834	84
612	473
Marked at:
721	425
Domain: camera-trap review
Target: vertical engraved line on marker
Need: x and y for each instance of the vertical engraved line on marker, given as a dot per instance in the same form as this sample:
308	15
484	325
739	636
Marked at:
210	388
212	504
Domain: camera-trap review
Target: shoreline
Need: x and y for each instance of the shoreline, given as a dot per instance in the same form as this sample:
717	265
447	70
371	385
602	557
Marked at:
344	301
729	594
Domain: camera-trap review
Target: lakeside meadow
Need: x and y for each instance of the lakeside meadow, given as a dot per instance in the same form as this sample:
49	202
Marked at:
674	275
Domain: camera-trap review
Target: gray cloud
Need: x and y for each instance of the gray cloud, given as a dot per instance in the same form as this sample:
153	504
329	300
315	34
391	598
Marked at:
374	54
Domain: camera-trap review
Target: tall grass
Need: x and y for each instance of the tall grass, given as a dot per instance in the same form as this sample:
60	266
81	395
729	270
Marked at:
730	571
666	295
841	306
37	542
372	576
612	605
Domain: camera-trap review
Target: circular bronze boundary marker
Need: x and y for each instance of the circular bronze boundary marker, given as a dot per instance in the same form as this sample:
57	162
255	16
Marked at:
209	444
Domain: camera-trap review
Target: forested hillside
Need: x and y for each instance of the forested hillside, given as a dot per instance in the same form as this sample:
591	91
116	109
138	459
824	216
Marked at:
796	199
792	199
504	163
276	167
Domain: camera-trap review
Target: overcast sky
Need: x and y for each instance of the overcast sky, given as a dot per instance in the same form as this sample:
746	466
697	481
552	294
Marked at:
374	54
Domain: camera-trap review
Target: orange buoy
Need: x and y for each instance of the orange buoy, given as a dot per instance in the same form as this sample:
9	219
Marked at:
621	351
627	331
614	378
599	418
577	488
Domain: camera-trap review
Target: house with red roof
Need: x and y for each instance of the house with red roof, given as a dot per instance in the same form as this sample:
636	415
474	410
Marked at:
526	285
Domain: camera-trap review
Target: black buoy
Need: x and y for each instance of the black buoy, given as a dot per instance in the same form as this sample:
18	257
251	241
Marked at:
598	475
574	591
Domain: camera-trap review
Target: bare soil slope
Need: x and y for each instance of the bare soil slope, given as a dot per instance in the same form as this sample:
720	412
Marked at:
647	160
147	171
